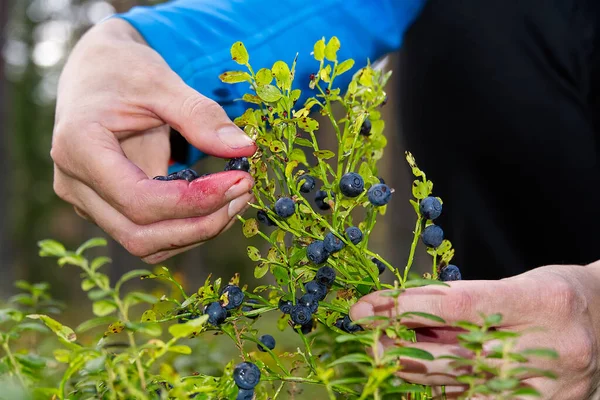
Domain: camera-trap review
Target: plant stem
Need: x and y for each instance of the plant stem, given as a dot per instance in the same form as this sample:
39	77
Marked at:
413	247
17	368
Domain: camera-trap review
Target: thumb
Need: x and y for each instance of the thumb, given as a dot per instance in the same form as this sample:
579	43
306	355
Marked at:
202	121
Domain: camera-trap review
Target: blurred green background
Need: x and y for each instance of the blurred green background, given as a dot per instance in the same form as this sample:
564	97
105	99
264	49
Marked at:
37	38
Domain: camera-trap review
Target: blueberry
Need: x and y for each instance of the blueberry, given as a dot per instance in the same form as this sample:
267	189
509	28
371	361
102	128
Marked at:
325	276
216	313
245	394
308	184
450	273
379	194
268	341
381	181
339	323
365	129
160	178
300	314
349	326
379	264
235	296
332	243
311	301
317	289
430	207
352	184
174	176
354	234
285	207
384	102
187	174
307	327
248	308
285	306
263	217
246	375
320	197
239	164
432	236
316	252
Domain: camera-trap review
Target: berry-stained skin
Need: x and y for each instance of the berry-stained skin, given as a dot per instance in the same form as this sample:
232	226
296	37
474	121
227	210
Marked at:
332	243
379	194
308	183
285	207
450	273
216	313
354	234
187	175
316	252
325	276
267	341
430	207
246	375
352	184
432	236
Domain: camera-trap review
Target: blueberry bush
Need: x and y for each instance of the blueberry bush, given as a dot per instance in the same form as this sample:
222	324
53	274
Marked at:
315	219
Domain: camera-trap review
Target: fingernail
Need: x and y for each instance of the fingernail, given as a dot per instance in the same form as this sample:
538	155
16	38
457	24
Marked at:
240	188
362	309
234	137
237	206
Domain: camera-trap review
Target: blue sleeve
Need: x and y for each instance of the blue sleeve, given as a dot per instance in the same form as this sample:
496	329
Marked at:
194	37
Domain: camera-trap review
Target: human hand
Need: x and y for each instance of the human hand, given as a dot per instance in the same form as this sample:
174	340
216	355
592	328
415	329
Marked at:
564	301
117	98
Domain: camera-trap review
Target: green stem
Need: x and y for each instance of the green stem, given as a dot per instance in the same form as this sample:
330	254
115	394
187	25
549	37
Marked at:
434	274
17	368
413	247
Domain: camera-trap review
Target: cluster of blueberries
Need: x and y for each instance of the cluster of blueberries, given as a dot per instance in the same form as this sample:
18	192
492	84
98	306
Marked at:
188	174
433	236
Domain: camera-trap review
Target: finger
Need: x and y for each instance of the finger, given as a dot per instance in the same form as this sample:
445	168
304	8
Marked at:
202	121
154	158
147	240
462	300
448	392
128	189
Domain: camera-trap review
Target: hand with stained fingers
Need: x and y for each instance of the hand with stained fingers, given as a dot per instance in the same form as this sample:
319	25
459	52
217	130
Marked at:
116	100
556	307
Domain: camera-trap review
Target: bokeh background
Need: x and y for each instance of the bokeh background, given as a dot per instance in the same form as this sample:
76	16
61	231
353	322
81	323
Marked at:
36	41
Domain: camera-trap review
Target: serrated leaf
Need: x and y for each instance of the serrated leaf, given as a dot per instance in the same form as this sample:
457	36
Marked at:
235	77
344	66
324	154
101	308
319	50
95	322
239	54
282	74
351	358
250	228
62	331
253	253
261	270
94	242
184	330
332	48
268	93
264	77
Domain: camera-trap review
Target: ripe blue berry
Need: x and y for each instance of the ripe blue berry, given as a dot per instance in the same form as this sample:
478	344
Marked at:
174	176
187	174
381	181
268	341
285	207
379	194
309	300
307	327
450	273
430	207
300	314
316	252
308	184
320	198
246	375
354	234
216	313
160	178
339	323
263	217
365	129
349	326
379	264
285	306
432	236
248	308
352	184
239	164
235	297
325	276
245	394
317	289
332	243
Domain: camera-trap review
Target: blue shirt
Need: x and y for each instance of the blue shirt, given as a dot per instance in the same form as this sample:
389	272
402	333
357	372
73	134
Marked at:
195	36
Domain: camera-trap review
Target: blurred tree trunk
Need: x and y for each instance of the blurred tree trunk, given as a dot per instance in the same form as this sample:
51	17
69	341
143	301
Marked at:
5	256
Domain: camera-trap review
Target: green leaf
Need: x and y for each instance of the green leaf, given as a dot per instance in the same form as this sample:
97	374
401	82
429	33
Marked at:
31	361
253	253
540	352
51	248
136	273
263	77
95	322
424	282
250	98
87	284
103	307
62	331
62	355
148	316
344	66
304	142
352	358
276	146
184	330
493	320
501	384
29	326
98	294
309	125
115	328
99	262
299	156
134	298
235	77
526	391
319	50
366	77
423	315
411	352
72	259
239	54
332	48
94	242
282	74
149	328
250	228
324	154
180	349
268	93
261	270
